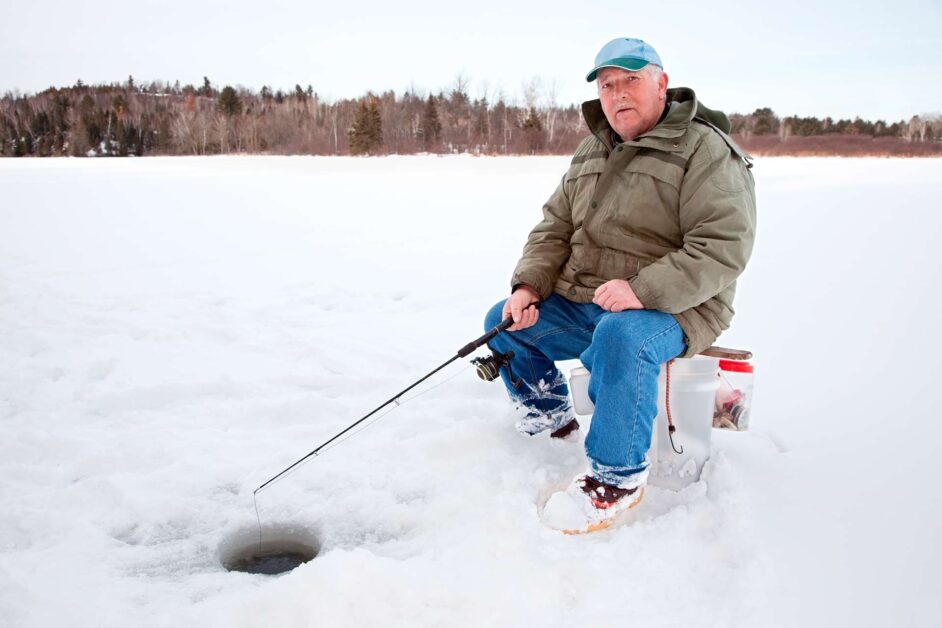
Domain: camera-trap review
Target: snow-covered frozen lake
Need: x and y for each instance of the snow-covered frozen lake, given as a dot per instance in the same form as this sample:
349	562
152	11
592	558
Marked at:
174	331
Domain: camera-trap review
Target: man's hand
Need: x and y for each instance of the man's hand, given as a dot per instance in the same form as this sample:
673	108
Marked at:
517	306
616	296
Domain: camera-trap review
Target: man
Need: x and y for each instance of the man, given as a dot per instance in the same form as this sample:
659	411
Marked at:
633	264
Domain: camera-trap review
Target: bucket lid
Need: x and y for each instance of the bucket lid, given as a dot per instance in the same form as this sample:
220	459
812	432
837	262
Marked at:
736	366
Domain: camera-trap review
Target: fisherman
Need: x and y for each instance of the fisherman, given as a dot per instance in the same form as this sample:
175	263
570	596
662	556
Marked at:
633	264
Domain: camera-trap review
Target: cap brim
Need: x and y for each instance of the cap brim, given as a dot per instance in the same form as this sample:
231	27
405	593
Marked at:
625	63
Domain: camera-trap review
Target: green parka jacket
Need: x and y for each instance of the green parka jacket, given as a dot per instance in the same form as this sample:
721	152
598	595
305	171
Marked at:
672	211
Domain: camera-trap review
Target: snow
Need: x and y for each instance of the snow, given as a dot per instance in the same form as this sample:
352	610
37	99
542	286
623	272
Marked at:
689	469
563	512
175	331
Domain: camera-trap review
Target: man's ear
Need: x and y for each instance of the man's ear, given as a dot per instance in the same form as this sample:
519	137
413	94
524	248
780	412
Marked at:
662	85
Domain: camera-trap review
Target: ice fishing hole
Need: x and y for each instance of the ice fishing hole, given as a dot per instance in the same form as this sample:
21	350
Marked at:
281	550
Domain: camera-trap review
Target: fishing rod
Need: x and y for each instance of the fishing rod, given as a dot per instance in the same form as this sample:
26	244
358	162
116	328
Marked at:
464	351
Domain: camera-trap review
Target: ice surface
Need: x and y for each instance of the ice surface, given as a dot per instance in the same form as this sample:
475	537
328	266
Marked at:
174	331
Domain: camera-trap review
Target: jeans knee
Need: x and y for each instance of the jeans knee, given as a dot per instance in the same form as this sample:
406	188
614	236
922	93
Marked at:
494	316
620	334
615	331
640	334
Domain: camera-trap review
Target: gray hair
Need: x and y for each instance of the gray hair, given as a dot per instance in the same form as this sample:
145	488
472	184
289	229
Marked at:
653	70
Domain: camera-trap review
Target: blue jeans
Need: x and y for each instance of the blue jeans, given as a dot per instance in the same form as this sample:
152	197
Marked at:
623	351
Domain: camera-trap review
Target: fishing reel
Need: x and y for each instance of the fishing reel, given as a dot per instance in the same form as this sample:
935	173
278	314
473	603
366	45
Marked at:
488	367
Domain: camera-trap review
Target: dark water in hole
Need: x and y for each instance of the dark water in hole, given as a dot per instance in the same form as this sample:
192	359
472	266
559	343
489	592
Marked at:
284	549
269	563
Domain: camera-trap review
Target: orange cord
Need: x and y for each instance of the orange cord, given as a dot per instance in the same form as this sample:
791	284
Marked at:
667	406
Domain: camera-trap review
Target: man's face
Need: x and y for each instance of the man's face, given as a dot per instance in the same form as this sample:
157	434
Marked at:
632	101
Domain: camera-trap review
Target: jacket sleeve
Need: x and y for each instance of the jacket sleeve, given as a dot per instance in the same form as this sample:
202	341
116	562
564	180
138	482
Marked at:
717	218
547	247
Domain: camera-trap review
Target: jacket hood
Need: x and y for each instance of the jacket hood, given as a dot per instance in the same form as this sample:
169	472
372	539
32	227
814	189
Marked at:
683	107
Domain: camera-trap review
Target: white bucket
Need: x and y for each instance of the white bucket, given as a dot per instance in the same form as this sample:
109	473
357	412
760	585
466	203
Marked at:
693	392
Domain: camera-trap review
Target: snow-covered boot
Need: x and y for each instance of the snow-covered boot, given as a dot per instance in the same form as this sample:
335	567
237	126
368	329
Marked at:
562	423
589	505
569	431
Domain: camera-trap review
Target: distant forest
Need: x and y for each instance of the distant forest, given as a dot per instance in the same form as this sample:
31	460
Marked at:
158	118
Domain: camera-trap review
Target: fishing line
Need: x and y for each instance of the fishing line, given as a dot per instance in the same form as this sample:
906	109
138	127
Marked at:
399	403
343	435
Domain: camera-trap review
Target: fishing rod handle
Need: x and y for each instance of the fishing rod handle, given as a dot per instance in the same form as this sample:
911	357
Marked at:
472	346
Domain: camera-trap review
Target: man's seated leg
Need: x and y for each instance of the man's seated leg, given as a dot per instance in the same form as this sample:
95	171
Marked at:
563	331
624	358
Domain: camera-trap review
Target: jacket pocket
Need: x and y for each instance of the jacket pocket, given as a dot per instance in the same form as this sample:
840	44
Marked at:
645	207
581	181
666	167
615	264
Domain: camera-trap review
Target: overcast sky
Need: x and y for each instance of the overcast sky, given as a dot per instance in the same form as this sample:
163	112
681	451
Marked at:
873	59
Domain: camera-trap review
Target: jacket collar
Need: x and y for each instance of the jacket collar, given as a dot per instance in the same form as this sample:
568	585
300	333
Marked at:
682	107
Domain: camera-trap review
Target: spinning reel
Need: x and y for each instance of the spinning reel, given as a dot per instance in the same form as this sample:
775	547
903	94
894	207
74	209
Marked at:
488	367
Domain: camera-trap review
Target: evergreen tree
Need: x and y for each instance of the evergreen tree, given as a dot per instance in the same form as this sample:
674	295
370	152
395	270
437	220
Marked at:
804	126
431	129
19	145
765	121
482	124
229	102
25	143
366	136
533	130
862	127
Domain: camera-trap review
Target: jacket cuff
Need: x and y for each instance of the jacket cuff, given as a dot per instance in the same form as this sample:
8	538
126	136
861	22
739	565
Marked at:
514	287
645	292
532	281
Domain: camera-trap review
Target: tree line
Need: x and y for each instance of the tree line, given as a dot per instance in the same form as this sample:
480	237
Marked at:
764	133
158	118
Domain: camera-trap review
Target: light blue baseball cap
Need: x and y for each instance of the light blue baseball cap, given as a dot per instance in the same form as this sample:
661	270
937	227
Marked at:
625	53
